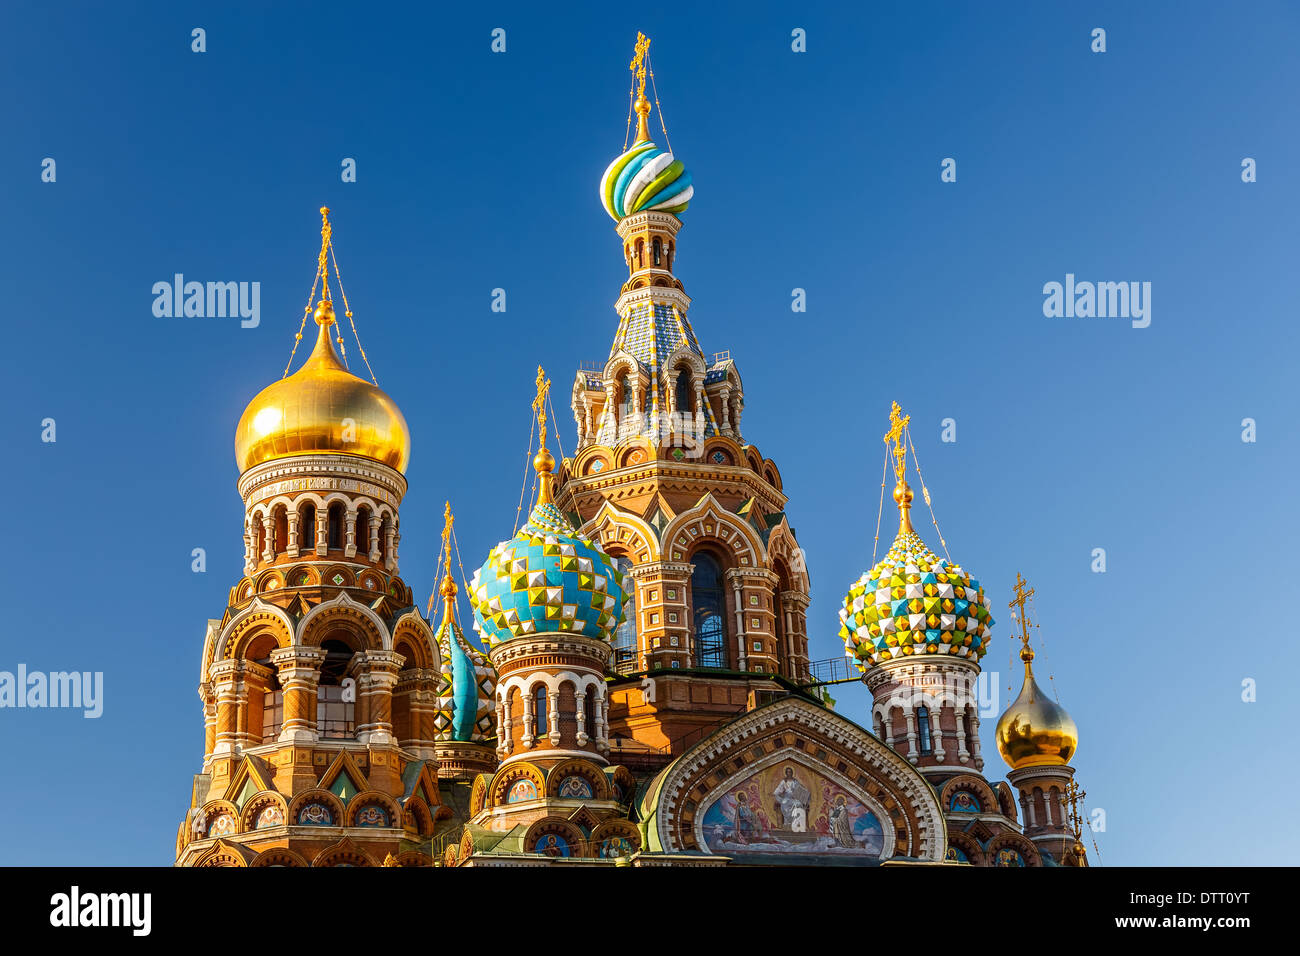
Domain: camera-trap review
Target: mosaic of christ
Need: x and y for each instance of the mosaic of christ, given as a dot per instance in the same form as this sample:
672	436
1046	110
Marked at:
787	808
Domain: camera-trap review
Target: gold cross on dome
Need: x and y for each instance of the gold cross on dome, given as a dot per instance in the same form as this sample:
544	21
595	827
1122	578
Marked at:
637	65
897	423
1023	594
539	403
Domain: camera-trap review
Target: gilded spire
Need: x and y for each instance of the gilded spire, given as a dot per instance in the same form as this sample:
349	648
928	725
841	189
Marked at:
894	442
544	464
642	105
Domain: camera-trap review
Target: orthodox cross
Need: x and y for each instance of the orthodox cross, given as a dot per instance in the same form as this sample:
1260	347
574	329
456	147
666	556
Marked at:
897	422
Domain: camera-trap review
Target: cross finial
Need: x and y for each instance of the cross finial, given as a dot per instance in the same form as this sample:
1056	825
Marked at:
642	105
448	586
543	463
326	231
1023	594
1074	795
637	65
897	423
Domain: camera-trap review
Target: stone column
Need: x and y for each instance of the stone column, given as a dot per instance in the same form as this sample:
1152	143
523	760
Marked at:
375	522
390	545
582	717
963	754
322	530
209	719
227	676
553	718
350	533
299	672
505	742
268	538
250	562
910	717
527	739
726	408
376	673
292	518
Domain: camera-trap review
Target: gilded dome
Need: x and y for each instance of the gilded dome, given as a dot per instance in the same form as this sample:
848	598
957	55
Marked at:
1035	730
322	408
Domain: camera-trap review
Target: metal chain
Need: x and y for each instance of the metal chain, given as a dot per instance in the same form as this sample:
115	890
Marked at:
348	312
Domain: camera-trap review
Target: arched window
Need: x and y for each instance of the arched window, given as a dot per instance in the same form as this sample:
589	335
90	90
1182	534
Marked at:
335	527
589	724
923	730
383	540
629	396
658	252
335	716
307	527
363	530
709	610
281	540
970	732
640	253
626	657
684	393
259	538
539	711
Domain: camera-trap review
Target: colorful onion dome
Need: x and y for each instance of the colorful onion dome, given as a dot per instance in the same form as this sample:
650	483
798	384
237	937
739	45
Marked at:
547	577
645	177
1035	730
914	602
466	702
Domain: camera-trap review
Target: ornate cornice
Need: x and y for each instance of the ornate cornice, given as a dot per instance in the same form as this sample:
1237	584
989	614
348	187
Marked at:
349	474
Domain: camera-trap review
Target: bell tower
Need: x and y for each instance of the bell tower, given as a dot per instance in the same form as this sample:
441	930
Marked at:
664	479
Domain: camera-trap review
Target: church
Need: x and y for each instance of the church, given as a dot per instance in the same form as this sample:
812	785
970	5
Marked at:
625	679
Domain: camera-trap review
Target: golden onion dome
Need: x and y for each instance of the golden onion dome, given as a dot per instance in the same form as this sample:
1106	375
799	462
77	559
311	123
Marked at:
1035	730
322	409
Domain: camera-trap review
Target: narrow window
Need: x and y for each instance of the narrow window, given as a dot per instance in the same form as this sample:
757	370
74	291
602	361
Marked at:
539	711
923	730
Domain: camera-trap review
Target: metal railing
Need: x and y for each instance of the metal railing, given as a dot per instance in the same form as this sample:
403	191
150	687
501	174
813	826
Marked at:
833	670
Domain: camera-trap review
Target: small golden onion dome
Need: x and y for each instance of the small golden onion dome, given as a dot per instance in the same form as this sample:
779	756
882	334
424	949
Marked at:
322	409
1035	730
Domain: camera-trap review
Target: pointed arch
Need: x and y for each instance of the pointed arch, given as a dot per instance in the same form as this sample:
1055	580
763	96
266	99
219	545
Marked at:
611	525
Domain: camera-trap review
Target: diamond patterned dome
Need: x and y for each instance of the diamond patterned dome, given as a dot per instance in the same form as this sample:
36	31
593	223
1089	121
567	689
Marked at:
546	578
914	602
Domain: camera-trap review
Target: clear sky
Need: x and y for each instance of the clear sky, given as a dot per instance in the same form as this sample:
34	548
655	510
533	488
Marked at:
816	170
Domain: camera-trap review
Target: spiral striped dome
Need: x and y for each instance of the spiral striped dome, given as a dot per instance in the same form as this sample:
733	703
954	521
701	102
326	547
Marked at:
645	177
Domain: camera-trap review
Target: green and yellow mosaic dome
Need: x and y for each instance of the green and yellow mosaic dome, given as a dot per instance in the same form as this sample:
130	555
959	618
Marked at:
914	602
546	578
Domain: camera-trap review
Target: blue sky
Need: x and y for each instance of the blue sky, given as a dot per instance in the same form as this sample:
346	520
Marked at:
818	171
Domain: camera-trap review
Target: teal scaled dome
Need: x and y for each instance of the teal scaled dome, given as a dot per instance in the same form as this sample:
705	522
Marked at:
547	578
645	177
466	702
